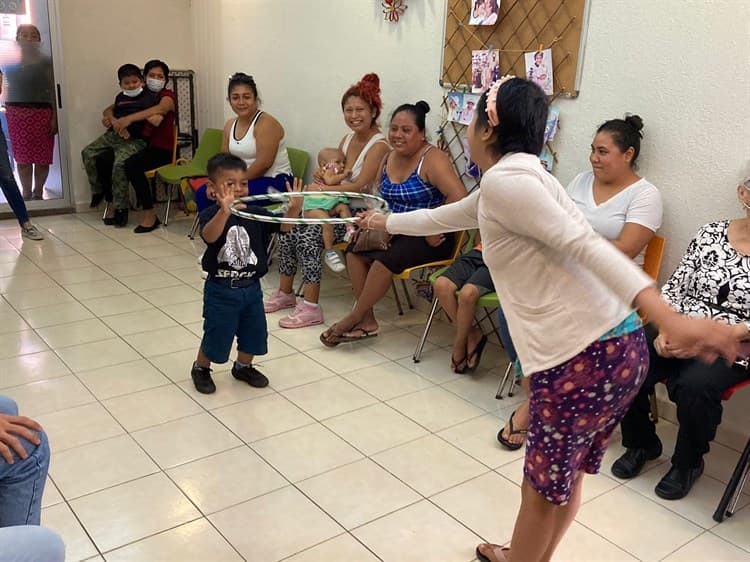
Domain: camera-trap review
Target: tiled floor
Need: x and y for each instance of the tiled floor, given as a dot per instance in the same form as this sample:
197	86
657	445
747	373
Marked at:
352	454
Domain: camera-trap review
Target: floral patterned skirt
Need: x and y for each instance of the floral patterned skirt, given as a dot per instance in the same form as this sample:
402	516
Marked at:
574	408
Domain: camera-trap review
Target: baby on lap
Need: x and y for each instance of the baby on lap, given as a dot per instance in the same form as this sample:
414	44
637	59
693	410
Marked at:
332	163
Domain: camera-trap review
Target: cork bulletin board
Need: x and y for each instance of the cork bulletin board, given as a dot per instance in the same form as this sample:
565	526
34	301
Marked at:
522	26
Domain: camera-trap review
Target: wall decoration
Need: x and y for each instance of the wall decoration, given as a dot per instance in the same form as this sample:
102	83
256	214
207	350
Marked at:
539	69
394	9
484	12
550	129
461	107
485	69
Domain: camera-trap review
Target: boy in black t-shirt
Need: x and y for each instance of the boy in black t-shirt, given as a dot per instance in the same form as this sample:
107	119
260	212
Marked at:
115	148
235	260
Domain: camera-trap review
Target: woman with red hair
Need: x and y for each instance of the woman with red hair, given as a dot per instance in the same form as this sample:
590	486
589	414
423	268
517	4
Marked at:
364	147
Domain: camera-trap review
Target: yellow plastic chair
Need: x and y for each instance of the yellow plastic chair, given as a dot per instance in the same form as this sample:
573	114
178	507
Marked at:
461	238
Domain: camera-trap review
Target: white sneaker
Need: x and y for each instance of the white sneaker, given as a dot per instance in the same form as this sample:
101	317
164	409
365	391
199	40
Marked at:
333	260
31	232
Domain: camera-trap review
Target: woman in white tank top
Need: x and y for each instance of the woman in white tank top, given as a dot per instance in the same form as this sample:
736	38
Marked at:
257	138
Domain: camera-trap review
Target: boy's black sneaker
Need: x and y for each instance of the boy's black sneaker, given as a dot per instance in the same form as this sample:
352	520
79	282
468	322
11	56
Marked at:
250	375
202	379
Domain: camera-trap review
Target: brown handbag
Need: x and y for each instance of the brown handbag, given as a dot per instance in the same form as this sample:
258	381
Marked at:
368	240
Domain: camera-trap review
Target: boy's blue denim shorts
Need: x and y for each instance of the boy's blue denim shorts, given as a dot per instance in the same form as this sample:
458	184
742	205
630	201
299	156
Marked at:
230	312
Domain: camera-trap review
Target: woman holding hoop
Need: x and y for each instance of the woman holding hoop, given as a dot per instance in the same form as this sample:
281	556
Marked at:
415	175
364	148
587	357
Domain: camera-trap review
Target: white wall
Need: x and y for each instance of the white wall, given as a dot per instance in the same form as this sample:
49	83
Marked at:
97	37
304	55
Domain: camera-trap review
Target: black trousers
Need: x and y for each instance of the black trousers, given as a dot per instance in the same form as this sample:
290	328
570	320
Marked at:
138	164
696	388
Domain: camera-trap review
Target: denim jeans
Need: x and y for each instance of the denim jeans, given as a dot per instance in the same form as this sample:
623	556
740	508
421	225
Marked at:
22	483
8	184
29	543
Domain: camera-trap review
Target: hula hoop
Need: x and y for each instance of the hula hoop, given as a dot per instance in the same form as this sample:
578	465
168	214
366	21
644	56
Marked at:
371	200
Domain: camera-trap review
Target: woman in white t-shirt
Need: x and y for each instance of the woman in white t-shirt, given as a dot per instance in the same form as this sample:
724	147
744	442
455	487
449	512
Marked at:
620	205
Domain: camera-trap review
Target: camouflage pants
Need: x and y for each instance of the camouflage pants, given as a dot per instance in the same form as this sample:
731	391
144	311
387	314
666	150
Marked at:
110	145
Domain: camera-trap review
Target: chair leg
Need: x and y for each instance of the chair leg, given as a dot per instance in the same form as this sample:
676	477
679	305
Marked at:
300	292
420	345
106	208
654	406
734	487
194	228
406	292
504	381
169	204
271	248
513	385
398	300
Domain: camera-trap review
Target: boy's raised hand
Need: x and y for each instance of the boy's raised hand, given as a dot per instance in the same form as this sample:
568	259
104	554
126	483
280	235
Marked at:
224	194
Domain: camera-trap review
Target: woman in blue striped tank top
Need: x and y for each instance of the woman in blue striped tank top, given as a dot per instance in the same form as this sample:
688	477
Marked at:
414	175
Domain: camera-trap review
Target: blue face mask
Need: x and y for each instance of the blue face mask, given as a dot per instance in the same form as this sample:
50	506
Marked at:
133	93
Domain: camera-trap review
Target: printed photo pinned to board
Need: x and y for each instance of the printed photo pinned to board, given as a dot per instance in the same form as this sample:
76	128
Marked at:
539	69
485	69
484	12
547	159
550	129
461	107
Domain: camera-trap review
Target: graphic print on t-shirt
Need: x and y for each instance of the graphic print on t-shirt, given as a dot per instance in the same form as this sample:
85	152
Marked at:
237	251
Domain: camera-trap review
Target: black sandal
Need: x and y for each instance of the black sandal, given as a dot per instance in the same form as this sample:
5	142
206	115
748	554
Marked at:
456	366
329	338
476	355
507	443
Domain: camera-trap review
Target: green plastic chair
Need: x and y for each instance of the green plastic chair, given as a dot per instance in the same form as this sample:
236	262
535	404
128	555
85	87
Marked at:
488	302
173	174
298	160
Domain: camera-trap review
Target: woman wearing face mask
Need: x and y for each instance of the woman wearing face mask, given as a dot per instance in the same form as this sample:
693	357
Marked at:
159	150
30	111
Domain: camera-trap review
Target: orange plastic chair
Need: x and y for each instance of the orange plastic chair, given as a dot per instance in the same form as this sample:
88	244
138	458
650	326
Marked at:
653	257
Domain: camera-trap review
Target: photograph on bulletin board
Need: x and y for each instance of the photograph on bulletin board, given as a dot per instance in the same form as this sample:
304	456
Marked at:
485	69
539	69
484	12
461	107
550	129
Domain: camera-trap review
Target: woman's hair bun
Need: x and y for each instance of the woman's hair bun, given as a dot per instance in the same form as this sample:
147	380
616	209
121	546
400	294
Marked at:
371	81
634	121
423	106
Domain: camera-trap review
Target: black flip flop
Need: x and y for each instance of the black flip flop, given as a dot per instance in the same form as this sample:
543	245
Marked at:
330	338
482	558
456	366
477	353
506	442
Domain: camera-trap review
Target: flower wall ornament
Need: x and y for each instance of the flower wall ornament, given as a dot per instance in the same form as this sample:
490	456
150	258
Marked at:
393	9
